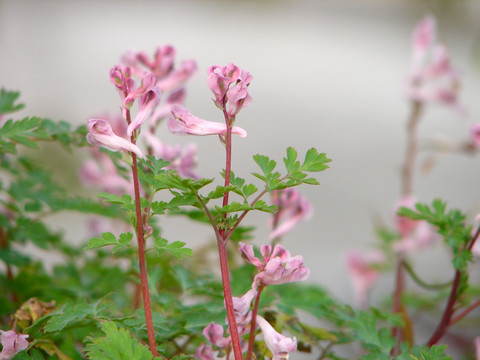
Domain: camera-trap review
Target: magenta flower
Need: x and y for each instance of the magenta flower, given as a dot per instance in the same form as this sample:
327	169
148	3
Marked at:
100	133
280	345
229	86
184	122
12	344
293	208
432	77
363	273
214	333
147	104
277	267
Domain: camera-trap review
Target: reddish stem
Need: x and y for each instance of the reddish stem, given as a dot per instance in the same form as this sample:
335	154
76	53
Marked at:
227	293
147	306
222	240
253	324
464	313
141	260
447	314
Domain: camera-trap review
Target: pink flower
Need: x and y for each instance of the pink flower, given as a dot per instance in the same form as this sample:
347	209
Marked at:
182	159
475	134
363	273
204	352
103	173
241	305
432	77
175	98
161	65
423	236
100	133
178	77
403	224
229	85
279	345
293	208
184	122
277	267
147	104
214	333
12	344
415	235
146	85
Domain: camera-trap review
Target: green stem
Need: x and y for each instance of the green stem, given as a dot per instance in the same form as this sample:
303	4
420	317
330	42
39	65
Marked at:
422	283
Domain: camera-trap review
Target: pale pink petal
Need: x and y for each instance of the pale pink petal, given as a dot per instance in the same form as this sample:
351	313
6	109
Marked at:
214	333
247	253
146	106
100	133
279	345
184	122
12	344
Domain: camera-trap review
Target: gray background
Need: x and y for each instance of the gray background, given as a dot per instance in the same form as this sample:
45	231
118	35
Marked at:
327	74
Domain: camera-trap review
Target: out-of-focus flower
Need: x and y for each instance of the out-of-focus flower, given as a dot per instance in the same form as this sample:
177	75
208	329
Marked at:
423	236
147	104
184	122
278	266
475	134
102	172
293	208
165	110
214	333
363	273
415	235
280	345
204	352
182	159
12	344
100	133
403	224
178	77
229	86
432	77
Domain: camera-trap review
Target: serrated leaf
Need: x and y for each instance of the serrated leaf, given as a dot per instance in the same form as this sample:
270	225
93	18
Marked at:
249	189
117	344
107	239
7	101
72	314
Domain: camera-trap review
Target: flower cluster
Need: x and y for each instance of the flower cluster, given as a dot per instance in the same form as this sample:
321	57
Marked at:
432	77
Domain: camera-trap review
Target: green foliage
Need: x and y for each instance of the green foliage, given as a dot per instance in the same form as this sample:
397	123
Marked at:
7	101
109	239
176	248
116	344
450	225
296	172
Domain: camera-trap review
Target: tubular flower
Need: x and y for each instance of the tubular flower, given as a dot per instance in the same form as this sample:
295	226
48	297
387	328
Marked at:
184	122
293	208
214	333
147	104
12	344
100	133
241	305
280	345
204	352
363	273
432	77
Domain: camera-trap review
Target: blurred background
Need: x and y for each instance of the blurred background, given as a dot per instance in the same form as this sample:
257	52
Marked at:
327	74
